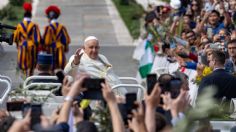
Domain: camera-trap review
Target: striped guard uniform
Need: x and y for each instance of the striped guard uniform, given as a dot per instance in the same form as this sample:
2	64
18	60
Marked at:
56	41
27	38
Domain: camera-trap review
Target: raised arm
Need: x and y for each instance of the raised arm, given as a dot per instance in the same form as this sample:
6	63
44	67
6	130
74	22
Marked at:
152	101
74	62
137	123
227	19
75	89
117	122
200	26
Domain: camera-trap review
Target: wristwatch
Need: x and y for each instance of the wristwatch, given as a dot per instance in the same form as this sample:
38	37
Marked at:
68	98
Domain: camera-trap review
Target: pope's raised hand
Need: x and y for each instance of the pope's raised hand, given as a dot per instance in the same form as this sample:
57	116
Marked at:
79	52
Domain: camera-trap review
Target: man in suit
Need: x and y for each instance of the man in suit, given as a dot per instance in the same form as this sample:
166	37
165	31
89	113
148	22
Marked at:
220	79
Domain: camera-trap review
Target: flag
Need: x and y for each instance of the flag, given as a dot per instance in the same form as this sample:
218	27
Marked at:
146	62
139	50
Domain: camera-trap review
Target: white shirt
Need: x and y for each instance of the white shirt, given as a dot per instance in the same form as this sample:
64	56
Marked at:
27	19
53	21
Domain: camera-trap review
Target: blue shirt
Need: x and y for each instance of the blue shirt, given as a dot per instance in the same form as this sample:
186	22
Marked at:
230	66
191	65
216	29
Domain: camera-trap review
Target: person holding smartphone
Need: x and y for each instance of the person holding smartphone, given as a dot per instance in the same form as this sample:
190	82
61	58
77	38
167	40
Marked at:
211	22
88	59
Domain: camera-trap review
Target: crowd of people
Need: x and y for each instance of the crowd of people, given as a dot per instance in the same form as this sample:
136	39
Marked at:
187	36
191	46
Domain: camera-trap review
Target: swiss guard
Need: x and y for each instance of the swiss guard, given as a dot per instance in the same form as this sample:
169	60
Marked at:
56	38
27	38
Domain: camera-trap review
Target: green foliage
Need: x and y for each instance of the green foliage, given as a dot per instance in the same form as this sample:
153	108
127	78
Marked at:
20	93
206	109
102	117
131	15
12	14
16	2
8	13
167	1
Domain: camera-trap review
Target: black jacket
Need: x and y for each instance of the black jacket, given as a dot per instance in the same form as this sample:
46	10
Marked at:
224	82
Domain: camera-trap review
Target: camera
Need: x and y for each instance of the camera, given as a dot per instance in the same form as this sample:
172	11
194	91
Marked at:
4	36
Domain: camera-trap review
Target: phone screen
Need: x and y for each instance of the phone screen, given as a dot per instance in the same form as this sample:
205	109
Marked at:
93	83
94	87
151	81
130	99
209	33
36	112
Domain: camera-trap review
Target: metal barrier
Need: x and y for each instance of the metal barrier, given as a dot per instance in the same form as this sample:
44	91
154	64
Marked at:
5	88
6	78
28	84
129	79
140	93
41	87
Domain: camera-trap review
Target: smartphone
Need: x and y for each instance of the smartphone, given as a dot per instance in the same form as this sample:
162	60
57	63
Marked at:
151	81
25	108
209	33
15	106
208	9
130	102
60	76
36	112
94	87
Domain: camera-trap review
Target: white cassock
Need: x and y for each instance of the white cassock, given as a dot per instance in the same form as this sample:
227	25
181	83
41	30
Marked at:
99	68
161	65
